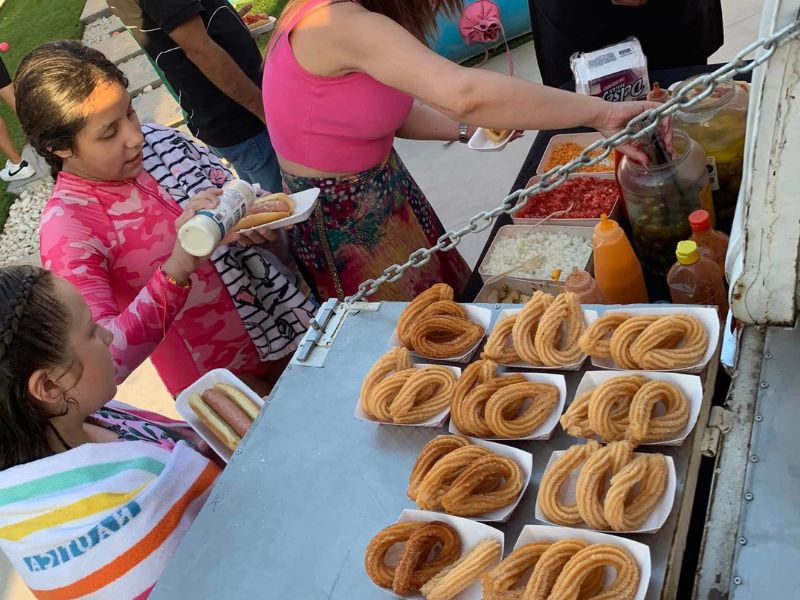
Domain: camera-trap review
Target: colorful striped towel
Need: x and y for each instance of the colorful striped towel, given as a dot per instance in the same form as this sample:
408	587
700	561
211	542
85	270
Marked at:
102	520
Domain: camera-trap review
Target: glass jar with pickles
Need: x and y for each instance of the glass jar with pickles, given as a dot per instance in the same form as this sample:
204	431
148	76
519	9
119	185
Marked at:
660	197
718	123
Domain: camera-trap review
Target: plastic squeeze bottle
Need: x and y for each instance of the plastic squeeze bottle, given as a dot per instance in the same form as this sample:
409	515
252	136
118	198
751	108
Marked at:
616	268
201	234
695	279
658	94
712	244
584	286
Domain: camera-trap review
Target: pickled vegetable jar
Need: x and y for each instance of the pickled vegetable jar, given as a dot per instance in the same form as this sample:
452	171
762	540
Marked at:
660	198
718	124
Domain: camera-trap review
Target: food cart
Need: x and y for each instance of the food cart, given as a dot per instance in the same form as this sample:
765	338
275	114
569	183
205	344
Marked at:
310	484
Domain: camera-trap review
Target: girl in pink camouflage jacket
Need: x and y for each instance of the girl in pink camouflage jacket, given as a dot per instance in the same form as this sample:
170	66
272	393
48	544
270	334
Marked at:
122	190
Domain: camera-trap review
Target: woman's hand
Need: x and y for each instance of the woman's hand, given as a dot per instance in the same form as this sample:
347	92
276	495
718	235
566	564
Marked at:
616	117
180	264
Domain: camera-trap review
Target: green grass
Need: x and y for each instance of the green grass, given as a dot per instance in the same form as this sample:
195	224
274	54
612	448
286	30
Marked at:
25	24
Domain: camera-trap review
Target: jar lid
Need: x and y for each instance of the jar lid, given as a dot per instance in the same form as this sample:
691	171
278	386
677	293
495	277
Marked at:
687	252
700	220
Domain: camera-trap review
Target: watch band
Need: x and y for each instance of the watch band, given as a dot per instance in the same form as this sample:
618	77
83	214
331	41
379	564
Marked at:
463	130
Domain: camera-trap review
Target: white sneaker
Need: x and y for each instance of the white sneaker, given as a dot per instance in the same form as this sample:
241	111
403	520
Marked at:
14	172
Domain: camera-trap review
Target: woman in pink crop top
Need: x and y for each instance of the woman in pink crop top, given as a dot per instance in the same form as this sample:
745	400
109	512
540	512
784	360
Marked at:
342	78
109	227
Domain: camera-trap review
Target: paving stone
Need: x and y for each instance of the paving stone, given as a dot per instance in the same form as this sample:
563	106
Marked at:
93	10
140	74
158	106
119	47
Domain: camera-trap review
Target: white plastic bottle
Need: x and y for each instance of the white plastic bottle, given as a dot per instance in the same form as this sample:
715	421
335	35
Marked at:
201	234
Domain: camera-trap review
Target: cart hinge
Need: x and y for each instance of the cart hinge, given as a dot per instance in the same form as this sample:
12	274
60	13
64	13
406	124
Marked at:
324	328
720	422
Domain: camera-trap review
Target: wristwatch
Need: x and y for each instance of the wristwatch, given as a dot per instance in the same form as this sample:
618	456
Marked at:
463	129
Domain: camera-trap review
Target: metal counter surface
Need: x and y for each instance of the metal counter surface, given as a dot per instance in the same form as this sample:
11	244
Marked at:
310	485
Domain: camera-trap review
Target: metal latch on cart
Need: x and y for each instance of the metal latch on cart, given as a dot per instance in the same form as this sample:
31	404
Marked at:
324	328
720	422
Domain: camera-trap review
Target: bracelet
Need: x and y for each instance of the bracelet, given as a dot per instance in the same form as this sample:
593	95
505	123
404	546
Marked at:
172	280
463	133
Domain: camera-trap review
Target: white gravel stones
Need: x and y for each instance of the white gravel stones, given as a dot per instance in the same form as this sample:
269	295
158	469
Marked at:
20	237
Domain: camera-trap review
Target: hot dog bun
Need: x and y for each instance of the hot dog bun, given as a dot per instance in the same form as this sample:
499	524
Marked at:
267	209
247	406
214	422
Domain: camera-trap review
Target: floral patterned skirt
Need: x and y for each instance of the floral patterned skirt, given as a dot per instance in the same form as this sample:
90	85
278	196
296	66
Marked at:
364	223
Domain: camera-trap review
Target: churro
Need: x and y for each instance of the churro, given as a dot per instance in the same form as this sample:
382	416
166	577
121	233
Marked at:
415	308
458	576
461	498
610	404
647	471
554	348
525	326
500	345
555	476
592	481
624	337
429	456
506	415
596	340
584	565
659	346
644	426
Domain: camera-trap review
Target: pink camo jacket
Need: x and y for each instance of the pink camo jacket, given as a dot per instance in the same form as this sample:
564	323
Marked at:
109	239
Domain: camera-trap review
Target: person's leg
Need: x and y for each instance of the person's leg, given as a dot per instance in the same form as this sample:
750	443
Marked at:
7	145
255	161
7	95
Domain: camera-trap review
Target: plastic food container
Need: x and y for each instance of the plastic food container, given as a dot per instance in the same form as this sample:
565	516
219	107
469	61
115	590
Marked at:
538	284
614	212
580	139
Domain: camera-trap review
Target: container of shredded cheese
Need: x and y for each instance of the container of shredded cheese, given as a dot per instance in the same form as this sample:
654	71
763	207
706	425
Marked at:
548	250
565	147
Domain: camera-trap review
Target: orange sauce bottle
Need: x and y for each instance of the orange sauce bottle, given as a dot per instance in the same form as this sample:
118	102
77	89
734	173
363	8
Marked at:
616	268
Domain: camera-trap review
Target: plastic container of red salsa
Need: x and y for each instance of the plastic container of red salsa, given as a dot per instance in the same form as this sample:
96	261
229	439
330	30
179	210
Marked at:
591	195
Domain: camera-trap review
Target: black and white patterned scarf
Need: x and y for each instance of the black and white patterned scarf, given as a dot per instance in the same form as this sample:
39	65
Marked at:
274	311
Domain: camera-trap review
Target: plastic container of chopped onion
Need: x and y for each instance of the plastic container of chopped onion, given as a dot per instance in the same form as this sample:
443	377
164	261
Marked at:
557	153
560	248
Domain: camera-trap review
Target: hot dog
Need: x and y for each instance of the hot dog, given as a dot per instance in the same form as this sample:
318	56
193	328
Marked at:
226	411
267	209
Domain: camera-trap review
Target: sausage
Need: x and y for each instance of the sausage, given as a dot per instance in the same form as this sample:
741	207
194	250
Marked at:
227	410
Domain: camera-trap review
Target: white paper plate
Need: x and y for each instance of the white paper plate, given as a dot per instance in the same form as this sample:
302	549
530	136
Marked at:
481	143
470	532
303	206
545	430
198	387
707	315
435	421
525	462
262	29
690	385
588	315
653	522
477	314
549	533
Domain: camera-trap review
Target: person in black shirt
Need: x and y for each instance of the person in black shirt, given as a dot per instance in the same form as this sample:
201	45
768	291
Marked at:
212	62
673	33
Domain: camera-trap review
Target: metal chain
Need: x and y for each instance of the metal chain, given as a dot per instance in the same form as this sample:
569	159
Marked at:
640	126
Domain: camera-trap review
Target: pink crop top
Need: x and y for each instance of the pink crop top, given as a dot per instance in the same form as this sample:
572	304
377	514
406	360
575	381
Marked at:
342	124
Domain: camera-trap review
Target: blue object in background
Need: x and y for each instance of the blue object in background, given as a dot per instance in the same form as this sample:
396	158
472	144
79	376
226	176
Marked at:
450	44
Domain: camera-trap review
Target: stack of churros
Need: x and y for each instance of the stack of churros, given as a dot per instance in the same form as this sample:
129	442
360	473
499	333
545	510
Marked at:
486	404
624	407
616	490
431	560
561	570
453	475
648	342
434	326
544	333
396	392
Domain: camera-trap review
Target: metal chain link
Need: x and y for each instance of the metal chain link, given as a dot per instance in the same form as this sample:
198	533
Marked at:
640	126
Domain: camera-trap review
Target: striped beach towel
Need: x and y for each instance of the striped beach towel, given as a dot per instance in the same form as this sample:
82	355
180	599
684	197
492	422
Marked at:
102	520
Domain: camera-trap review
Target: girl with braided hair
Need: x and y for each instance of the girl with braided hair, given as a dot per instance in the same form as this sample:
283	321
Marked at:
94	495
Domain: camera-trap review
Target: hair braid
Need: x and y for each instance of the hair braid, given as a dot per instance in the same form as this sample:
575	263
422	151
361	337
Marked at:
17	310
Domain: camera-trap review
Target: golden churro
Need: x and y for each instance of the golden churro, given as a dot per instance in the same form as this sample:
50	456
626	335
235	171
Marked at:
659	346
583	566
555	476
549	566
429	455
378	403
397	359
426	393
503	582
553	348
592	481
575	419
525	326
500	345
442	474
596	340
468	413
506	415
444	336
415	308
647	471
458	576
624	337
646	428
610	404
462	499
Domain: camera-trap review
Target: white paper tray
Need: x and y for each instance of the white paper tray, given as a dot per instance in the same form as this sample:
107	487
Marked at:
435	421
654	521
707	315
481	143
545	430
549	533
477	314
581	139
198	387
588	315
690	385
303	207
470	532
